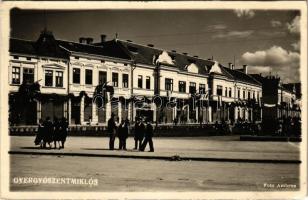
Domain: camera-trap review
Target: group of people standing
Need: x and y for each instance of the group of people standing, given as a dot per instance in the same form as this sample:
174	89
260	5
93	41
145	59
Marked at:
49	132
143	134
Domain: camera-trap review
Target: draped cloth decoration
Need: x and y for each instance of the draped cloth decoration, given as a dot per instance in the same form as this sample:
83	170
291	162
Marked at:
105	91
29	92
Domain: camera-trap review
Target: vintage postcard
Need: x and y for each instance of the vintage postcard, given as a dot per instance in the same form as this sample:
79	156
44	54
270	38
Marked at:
153	100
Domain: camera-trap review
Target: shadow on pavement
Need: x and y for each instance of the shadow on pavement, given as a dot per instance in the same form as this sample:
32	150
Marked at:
106	149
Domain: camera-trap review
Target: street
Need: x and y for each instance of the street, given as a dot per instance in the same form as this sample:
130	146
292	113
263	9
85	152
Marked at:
117	171
117	174
193	147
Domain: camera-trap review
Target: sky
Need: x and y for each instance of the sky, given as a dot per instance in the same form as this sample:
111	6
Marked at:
266	40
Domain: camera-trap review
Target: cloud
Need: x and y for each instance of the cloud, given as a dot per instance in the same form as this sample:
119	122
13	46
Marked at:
294	26
217	27
259	69
296	45
271	33
284	63
244	13
234	34
276	23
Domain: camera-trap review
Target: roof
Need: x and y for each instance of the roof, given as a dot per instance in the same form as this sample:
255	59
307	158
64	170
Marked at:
46	45
22	46
289	87
257	77
241	76
110	51
145	55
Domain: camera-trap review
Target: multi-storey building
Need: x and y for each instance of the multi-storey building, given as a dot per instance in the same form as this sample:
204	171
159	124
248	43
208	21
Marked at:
280	100
162	85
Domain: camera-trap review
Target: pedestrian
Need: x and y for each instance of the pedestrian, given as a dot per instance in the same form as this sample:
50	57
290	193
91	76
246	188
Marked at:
148	137
63	131
112	128
139	133
40	133
48	132
56	132
123	134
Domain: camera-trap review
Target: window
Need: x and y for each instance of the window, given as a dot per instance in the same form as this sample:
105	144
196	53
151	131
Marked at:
202	88
48	77
192	88
16	75
226	91
102	61
244	96
219	90
59	79
125	80
28	75
182	86
169	84
76	75
115	79
28	58
230	92
16	57
88	76
238	93
102	77
139	81
248	94
148	82
76	57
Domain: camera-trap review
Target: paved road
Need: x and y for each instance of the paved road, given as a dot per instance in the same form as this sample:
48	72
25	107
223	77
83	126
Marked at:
205	147
117	174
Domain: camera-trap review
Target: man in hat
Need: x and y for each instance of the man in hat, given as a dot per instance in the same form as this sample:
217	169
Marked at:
111	131
139	132
148	137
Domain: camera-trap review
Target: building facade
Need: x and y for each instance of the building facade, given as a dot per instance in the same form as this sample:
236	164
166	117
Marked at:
57	78
280	100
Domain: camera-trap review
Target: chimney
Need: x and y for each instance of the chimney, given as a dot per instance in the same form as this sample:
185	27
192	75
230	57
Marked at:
150	45
103	38
230	65
245	69
89	40
185	53
174	51
82	40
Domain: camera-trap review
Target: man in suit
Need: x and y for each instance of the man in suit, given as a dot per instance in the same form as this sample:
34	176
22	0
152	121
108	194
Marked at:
139	133
148	137
111	128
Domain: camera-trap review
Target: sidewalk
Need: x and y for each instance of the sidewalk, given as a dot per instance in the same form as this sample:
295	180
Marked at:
215	148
